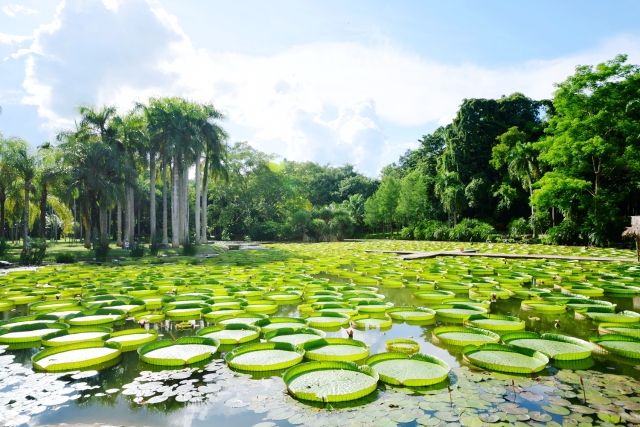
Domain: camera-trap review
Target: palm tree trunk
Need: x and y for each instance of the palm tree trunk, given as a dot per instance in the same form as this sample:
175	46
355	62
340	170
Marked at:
152	197
103	218
119	224
183	214
203	211
3	200
175	221
165	227
25	218
197	199
129	220
533	218
43	211
86	223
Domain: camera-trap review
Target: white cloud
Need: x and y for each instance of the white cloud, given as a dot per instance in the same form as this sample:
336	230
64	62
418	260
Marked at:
13	10
328	102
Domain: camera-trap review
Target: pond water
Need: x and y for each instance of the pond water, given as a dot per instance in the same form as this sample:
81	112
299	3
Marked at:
604	389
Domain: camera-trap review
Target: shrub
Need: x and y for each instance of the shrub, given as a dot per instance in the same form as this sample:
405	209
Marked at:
66	258
519	227
4	247
565	233
137	250
471	230
33	253
101	250
154	248
407	233
431	230
188	249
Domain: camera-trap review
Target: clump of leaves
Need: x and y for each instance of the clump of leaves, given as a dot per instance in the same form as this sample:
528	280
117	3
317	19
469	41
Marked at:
33	252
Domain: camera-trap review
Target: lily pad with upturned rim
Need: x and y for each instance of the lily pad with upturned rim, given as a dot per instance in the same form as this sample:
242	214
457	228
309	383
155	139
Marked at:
335	349
554	346
183	351
418	370
506	358
330	381
462	336
267	356
76	356
231	333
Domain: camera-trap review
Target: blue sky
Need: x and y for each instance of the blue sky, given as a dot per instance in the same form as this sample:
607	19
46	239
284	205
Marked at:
331	81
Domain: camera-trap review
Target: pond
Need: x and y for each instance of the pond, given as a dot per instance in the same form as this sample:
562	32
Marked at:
527	303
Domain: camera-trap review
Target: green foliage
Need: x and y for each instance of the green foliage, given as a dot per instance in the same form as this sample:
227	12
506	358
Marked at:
101	250
65	258
519	227
4	247
136	250
565	233
189	249
471	230
33	252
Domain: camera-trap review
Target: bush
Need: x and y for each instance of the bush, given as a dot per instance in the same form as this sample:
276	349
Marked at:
101	250
137	250
519	227
4	247
154	248
407	233
188	249
471	230
34	252
66	258
431	230
565	233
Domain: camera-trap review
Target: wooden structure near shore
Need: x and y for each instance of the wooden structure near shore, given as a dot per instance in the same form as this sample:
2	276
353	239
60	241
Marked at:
634	232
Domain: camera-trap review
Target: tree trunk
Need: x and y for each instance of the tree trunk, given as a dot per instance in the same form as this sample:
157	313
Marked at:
119	224
25	218
152	197
86	223
533	220
103	219
184	207
165	207
43	211
129	228
196	204
203	211
3	199
175	226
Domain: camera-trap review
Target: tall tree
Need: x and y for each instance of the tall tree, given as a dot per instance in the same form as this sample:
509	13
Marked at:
25	166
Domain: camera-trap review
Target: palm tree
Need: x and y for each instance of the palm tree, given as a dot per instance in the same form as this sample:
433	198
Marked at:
25	167
7	178
49	170
214	138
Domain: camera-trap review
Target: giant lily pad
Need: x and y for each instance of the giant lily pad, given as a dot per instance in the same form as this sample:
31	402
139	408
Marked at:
413	371
231	333
506	358
294	336
463	336
183	351
76	356
554	346
330	381
76	335
496	322
131	339
28	333
621	345
342	349
268	356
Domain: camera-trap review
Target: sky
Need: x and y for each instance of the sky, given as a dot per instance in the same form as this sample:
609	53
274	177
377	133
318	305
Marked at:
331	81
